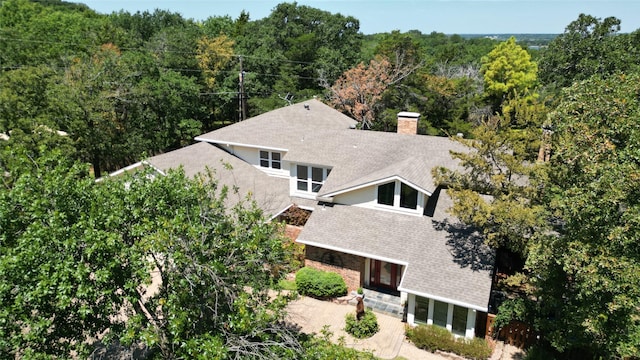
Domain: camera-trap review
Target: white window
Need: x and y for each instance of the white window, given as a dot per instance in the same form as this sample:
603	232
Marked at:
459	323
449	316
398	194
310	178
440	311
270	159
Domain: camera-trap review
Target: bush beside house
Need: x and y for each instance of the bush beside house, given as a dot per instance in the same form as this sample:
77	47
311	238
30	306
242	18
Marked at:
432	338
320	284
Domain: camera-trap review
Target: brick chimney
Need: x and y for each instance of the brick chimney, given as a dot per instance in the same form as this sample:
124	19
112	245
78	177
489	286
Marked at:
408	122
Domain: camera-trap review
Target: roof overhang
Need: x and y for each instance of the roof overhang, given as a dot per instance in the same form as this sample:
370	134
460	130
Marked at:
353	252
232	143
443	299
377	182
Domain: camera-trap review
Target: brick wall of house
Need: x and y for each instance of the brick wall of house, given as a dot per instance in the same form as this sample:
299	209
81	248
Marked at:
350	267
292	231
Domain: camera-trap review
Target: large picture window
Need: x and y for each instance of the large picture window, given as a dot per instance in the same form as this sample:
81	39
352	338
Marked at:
459	324
270	159
310	178
440	310
422	310
444	315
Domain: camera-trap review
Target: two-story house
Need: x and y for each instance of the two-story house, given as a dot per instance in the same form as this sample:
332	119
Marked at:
377	216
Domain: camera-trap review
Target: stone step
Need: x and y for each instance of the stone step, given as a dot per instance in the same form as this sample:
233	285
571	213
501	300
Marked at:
382	303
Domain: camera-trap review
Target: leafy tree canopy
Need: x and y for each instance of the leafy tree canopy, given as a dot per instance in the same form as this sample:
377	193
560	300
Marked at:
77	258
587	274
588	46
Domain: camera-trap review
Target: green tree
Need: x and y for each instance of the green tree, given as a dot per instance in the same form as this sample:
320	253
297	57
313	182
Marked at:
588	46
94	104
498	192
587	272
63	277
508	72
35	34
77	258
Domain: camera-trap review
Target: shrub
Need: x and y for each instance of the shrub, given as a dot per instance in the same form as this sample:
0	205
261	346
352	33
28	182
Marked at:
434	338
320	284
366	327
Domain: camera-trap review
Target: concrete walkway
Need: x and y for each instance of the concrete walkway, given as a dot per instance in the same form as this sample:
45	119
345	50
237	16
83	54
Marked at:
311	315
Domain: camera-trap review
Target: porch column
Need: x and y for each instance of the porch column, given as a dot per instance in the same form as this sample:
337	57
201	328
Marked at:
470	333
411	309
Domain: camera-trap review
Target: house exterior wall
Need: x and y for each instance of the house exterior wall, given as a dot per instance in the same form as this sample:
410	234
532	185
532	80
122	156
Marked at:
350	267
411	316
252	156
293	179
367	197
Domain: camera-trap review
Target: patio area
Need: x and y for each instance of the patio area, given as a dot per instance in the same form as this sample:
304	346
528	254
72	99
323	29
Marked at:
312	315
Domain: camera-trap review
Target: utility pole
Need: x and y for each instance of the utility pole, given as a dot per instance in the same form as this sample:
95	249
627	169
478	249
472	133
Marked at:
242	101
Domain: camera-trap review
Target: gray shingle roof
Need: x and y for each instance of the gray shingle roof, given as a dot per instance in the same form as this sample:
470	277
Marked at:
443	259
321	135
282	128
270	193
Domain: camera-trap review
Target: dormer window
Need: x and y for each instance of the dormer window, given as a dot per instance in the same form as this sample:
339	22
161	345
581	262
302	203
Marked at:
270	159
310	178
386	193
398	194
408	197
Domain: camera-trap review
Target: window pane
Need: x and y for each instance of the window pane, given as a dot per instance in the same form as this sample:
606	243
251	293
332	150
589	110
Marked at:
275	164
408	197
302	172
385	193
275	156
302	185
440	310
316	174
264	155
385	274
459	325
422	309
315	187
264	163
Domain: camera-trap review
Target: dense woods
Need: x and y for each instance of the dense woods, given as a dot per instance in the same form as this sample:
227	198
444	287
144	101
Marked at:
553	181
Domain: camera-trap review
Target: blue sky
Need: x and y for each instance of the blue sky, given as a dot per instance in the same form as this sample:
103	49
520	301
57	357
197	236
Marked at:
446	16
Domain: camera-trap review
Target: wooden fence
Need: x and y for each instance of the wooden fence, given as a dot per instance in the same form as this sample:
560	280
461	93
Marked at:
516	333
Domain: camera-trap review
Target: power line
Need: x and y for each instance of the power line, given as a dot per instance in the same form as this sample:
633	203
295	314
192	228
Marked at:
237	56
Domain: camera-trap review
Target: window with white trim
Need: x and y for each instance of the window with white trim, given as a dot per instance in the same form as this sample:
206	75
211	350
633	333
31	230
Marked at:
310	178
270	159
459	323
398	194
441	314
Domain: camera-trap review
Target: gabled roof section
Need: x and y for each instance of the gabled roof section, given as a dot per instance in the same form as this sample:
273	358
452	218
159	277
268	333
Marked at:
444	259
270	193
405	171
361	157
316	134
282	128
